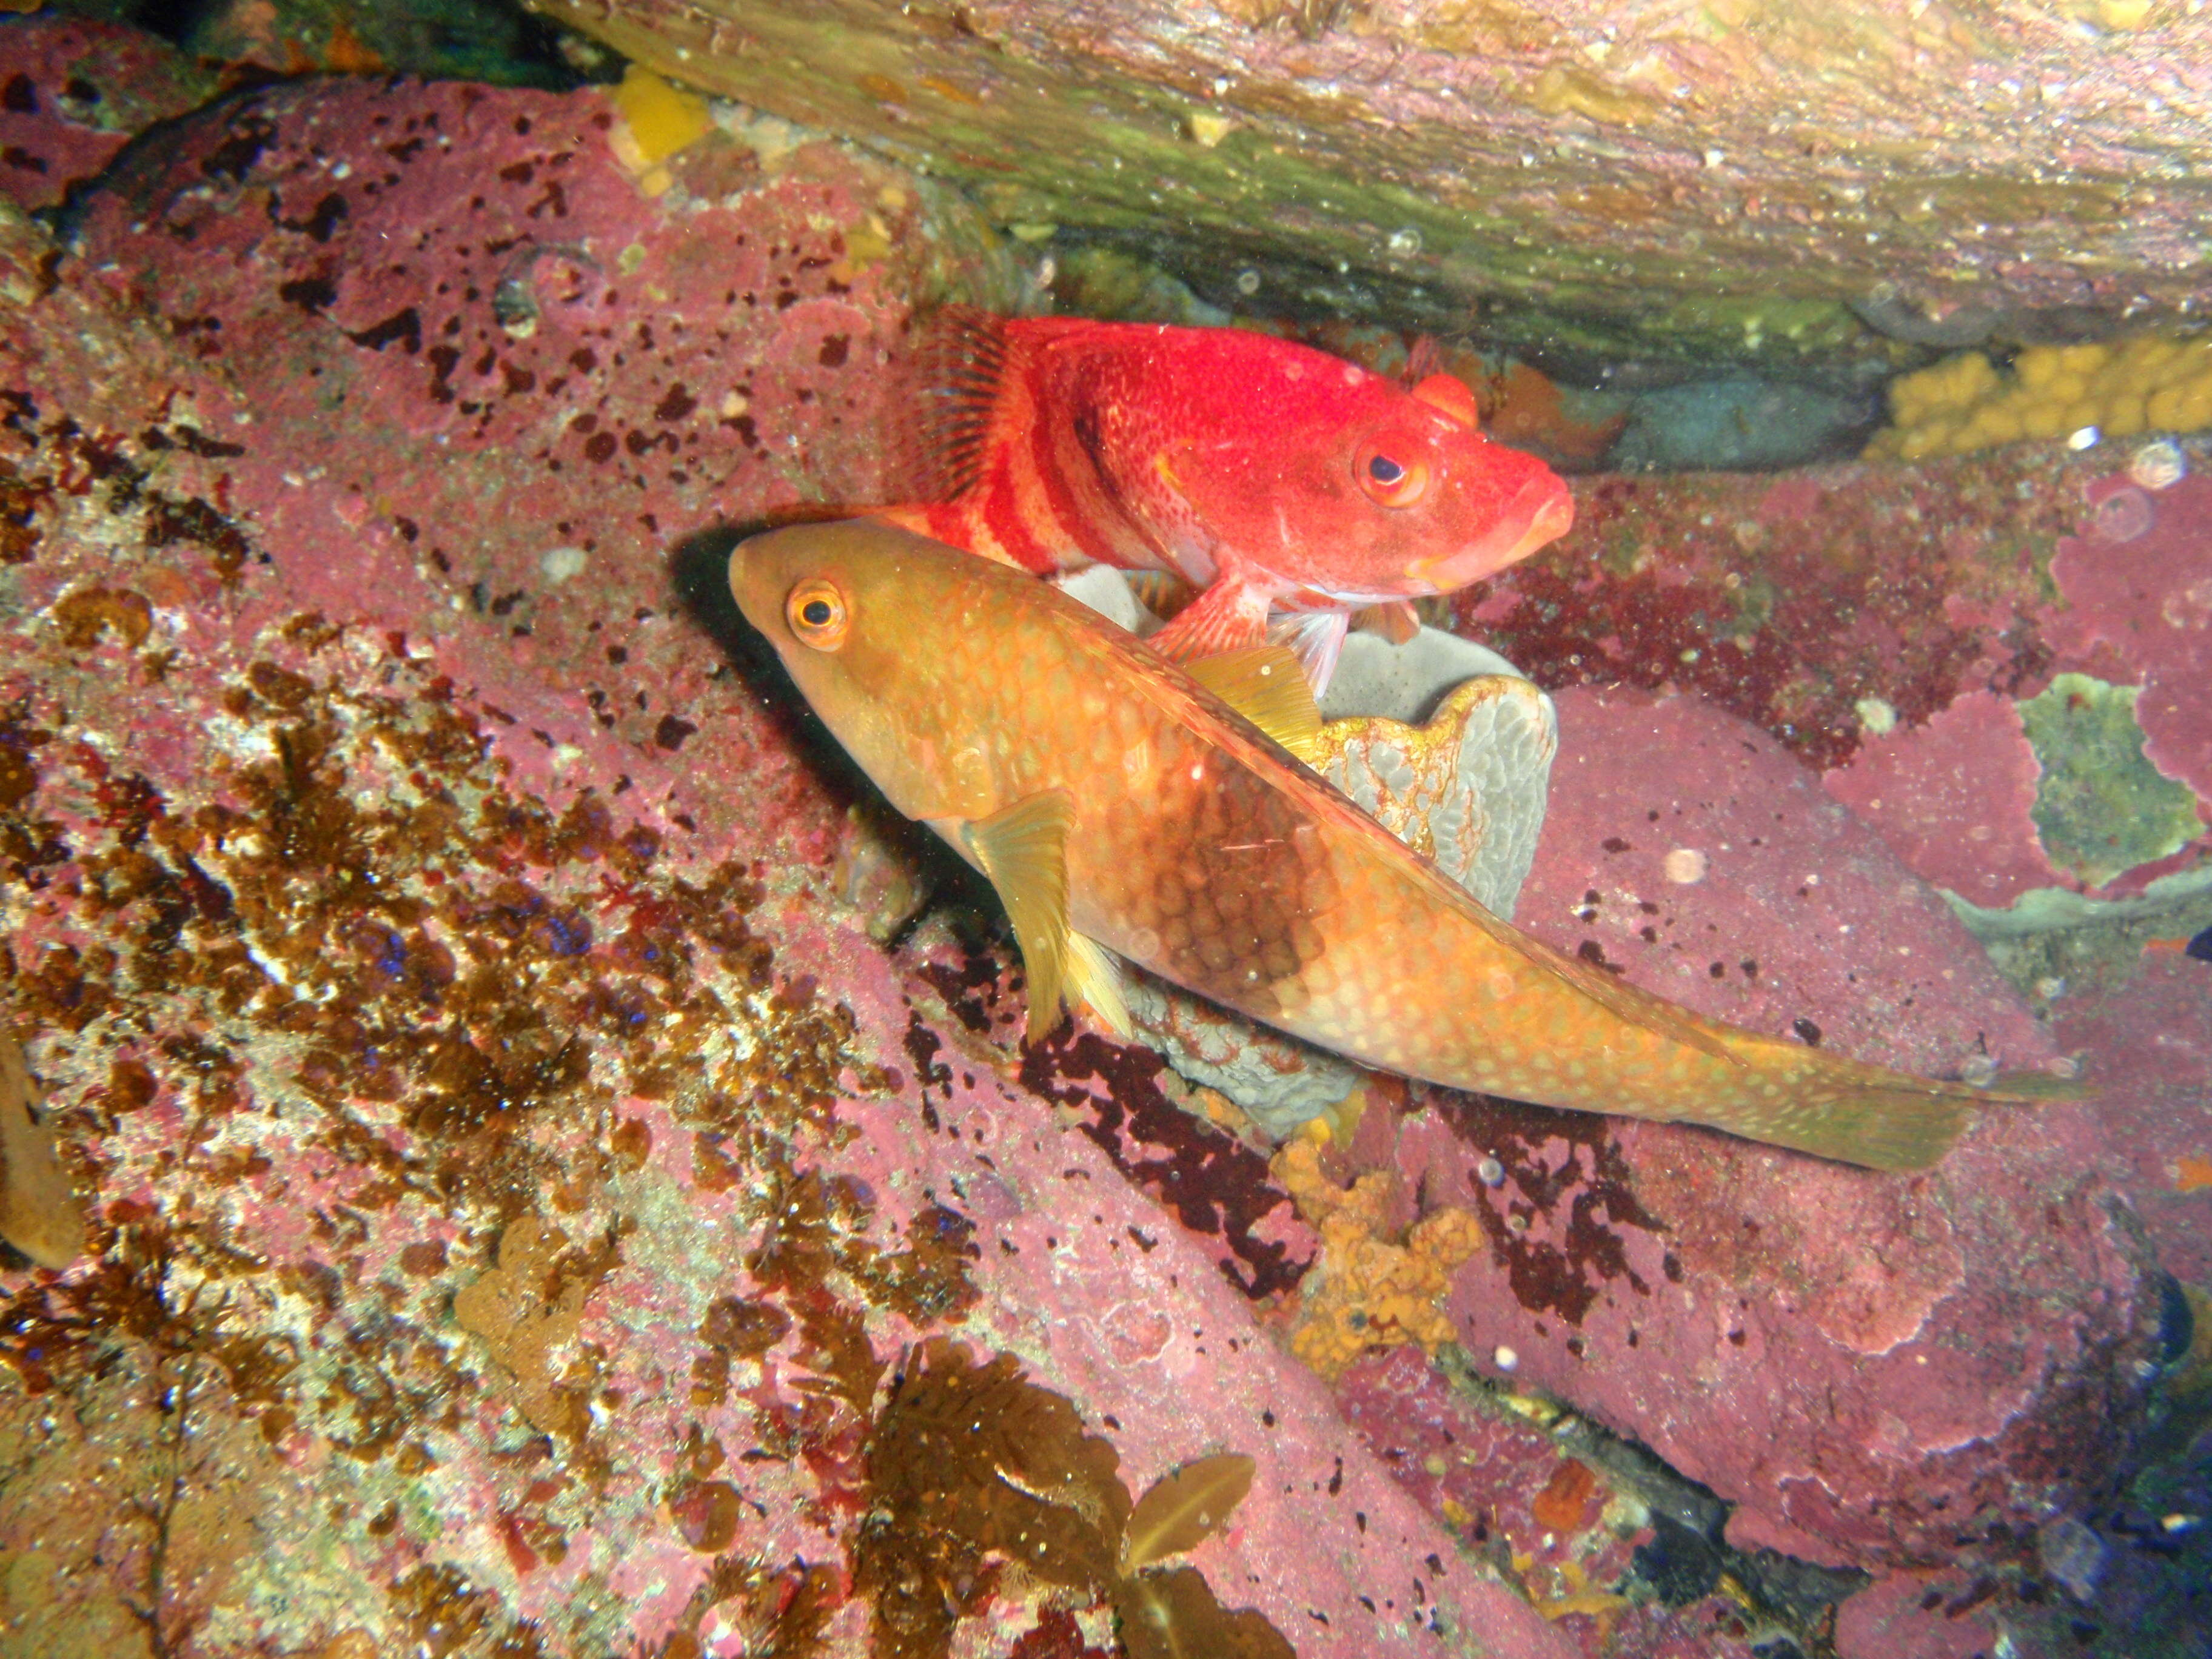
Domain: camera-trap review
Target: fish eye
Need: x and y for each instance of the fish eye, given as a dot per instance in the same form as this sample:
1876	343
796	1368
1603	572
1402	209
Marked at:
817	613
1388	480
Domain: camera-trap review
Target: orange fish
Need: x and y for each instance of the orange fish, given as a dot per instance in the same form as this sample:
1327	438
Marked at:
1281	482
1117	801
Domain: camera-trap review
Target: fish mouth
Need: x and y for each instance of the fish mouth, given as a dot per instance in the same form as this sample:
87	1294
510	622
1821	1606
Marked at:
1540	511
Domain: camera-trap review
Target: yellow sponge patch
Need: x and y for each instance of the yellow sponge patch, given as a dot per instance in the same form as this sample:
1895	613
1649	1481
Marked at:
2153	383
1373	1287
660	118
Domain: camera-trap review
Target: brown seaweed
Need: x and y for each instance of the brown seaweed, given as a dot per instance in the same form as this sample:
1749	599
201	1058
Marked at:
38	1213
980	1477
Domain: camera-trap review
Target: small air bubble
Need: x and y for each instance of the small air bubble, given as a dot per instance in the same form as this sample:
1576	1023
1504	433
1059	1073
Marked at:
2123	516
2158	464
1248	282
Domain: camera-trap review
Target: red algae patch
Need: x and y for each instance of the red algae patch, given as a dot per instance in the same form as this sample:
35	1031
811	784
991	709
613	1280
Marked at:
1953	797
1785	603
2141	614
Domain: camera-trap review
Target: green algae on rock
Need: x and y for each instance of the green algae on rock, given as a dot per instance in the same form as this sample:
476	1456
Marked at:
2101	808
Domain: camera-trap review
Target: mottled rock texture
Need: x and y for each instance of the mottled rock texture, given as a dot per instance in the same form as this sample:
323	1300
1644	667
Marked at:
72	94
1649	179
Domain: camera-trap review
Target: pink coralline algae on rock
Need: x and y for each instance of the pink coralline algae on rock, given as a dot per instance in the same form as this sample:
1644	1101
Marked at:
1952	799
520	1200
1874	1371
2141	614
2159	1026
519	1194
502	382
1917	1616
1571	1530
72	93
1788	601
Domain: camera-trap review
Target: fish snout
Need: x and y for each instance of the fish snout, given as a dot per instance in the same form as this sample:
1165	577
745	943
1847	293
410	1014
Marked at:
1540	511
746	583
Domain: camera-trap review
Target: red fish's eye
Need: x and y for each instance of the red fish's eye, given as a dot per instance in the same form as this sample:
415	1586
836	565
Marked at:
1388	480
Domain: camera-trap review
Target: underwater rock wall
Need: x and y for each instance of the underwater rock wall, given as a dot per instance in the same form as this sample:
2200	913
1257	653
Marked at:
1874	1370
520	1190
1767	181
508	1189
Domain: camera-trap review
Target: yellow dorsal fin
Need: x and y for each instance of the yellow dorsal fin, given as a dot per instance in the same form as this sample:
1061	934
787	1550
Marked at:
1264	684
1092	979
1023	849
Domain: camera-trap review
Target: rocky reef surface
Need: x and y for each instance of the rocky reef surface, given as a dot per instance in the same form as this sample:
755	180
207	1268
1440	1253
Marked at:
524	1211
1782	182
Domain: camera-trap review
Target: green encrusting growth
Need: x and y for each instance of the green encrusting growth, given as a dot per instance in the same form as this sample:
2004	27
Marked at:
2102	807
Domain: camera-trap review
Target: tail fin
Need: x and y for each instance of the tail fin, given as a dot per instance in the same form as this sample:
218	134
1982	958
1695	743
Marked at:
1877	1127
1856	1112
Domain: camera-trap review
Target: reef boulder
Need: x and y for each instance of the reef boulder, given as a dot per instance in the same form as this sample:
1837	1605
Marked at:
1769	183
1875	1370
504	1163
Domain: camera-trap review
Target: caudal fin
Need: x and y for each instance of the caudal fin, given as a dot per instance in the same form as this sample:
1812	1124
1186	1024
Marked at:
1894	1128
1855	1113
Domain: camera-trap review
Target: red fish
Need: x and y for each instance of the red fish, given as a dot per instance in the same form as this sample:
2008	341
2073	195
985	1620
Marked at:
1279	480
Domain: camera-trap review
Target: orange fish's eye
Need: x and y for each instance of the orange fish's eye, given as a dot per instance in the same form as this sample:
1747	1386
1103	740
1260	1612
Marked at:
1387	479
817	613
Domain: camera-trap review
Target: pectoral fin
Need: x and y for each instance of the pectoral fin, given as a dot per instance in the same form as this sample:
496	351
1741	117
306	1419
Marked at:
1023	849
1092	979
1267	686
1396	620
1316	638
1227	616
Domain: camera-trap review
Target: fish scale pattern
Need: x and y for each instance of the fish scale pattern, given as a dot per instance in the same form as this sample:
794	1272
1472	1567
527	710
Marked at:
1216	882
